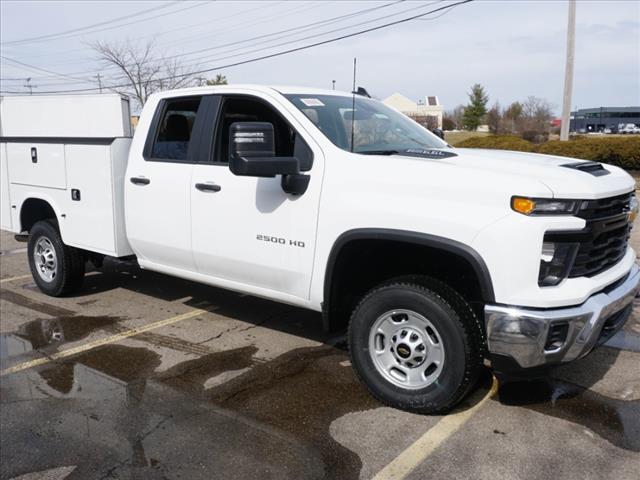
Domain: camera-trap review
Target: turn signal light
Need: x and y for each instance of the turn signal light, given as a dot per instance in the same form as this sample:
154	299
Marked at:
523	205
544	206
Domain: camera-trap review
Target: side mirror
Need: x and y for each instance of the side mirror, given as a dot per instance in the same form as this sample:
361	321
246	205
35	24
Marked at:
252	154
252	151
438	133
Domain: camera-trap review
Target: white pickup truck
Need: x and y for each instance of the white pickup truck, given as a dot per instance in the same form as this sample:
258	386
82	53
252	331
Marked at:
438	259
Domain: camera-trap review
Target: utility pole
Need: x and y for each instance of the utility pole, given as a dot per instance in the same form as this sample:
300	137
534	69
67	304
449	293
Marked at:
99	82
568	72
29	86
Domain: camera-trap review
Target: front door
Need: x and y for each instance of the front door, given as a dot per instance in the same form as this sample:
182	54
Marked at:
246	231
158	187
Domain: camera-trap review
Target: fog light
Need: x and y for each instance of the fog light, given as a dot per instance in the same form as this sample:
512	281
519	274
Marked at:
556	337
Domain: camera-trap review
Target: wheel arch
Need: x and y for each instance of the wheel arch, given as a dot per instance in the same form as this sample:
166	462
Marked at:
338	261
36	208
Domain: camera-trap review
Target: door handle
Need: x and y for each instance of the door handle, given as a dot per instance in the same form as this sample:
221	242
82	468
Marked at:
208	187
140	181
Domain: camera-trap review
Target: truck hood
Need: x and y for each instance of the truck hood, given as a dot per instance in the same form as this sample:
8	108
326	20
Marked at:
562	181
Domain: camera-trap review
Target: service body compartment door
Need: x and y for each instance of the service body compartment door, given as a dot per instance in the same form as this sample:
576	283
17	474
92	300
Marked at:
158	187
89	208
37	164
246	230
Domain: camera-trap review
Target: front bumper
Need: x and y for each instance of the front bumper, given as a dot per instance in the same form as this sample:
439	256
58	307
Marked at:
520	337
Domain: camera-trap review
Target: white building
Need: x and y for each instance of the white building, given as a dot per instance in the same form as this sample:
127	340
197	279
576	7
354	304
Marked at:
429	107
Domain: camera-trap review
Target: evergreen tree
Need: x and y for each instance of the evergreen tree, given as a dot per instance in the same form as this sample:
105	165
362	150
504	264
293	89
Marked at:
219	80
475	111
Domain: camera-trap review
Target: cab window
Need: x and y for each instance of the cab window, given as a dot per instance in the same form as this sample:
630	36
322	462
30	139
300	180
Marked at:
174	129
288	143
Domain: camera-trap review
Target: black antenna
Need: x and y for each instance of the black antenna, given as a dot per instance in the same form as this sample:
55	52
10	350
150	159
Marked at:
353	103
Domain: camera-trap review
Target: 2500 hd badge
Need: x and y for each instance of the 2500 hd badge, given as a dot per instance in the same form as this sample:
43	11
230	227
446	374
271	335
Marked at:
280	240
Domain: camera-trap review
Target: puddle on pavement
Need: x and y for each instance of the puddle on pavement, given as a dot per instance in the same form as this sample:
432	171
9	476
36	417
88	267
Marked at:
301	393
49	333
617	421
192	374
126	364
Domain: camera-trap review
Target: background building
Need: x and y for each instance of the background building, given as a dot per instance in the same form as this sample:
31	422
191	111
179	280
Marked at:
598	119
427	112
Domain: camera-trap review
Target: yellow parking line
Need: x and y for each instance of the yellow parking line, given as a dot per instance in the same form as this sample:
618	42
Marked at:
11	279
103	341
417	452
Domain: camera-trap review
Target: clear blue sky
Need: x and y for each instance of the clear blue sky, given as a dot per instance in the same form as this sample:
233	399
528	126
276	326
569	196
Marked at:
513	48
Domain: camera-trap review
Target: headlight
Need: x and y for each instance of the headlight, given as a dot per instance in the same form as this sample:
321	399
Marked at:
544	206
633	209
556	260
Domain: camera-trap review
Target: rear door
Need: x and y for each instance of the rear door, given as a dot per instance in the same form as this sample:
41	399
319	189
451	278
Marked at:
246	231
158	186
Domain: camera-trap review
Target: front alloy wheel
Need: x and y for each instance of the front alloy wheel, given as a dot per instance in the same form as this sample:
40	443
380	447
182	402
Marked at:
416	344
406	349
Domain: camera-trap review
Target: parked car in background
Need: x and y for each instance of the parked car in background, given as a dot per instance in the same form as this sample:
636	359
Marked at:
628	128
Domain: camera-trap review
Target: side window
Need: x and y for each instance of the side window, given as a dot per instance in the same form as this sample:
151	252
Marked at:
174	129
244	109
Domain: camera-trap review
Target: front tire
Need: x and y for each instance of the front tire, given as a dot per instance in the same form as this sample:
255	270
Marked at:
56	268
416	345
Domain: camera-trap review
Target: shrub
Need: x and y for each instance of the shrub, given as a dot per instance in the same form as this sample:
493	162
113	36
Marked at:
620	151
499	142
535	137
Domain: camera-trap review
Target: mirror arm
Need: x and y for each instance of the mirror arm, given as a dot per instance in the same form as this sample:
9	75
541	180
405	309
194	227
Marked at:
295	184
251	166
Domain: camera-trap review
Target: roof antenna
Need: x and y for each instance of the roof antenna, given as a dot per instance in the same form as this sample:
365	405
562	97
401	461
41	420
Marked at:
353	103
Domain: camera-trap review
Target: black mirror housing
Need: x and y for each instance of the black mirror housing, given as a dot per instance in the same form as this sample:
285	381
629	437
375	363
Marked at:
251	139
252	151
438	133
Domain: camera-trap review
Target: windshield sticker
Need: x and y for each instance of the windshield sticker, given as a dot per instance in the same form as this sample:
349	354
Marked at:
312	102
429	153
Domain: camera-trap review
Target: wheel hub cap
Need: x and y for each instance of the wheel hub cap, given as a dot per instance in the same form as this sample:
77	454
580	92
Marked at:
406	349
409	347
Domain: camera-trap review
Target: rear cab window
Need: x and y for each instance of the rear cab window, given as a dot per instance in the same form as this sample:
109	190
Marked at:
173	130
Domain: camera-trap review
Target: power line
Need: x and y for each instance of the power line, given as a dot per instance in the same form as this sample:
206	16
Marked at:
87	27
33	67
300	29
122	25
277	54
152	35
309	37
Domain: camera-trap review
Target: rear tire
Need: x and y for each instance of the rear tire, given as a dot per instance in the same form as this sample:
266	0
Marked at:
416	345
57	268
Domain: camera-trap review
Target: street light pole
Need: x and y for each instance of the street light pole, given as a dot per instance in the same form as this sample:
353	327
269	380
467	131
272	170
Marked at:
568	72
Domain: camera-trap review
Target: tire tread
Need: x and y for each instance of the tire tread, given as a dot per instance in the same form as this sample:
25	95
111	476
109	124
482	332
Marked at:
461	310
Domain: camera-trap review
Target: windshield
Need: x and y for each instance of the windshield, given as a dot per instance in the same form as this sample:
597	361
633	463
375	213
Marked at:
377	129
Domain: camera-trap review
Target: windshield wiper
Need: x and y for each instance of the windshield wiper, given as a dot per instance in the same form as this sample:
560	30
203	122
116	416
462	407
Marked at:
379	152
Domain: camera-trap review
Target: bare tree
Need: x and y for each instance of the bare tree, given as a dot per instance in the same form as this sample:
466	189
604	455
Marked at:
454	117
538	113
139	71
494	119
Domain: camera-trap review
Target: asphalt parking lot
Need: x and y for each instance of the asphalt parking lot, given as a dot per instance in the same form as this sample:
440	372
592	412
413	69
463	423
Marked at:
142	376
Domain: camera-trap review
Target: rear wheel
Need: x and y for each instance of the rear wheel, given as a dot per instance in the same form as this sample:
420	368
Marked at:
56	268
416	344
